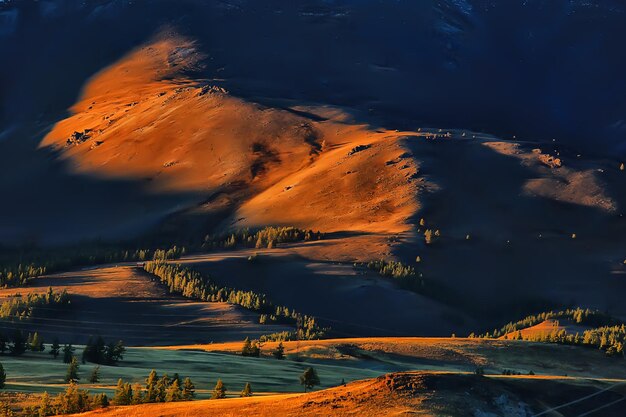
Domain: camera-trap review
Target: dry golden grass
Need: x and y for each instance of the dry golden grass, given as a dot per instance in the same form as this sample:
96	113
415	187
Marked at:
148	121
103	299
399	394
572	183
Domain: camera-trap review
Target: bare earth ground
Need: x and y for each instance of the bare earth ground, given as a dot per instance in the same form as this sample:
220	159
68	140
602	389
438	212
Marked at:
123	303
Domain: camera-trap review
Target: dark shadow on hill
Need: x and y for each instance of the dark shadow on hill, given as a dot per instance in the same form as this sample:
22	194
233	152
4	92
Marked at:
503	253
46	203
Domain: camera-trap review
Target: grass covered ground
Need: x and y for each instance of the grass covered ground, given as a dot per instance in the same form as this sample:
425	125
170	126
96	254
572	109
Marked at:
335	360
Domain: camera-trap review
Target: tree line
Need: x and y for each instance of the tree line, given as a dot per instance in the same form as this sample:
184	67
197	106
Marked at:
607	333
95	351
587	317
404	275
72	400
23	307
267	237
17	267
156	390
192	284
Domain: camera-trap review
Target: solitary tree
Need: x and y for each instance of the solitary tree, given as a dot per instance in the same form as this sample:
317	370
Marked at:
95	375
18	345
279	352
428	236
55	348
309	379
36	343
188	389
72	371
255	350
247	347
219	391
247	390
68	353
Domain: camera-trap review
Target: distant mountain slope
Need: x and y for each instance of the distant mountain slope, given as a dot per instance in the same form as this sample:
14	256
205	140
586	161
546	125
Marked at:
536	69
143	119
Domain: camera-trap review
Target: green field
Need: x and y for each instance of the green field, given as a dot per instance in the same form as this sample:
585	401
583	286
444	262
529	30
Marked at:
38	372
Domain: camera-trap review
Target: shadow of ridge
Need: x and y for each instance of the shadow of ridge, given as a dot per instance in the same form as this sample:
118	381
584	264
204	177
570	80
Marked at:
504	272
52	205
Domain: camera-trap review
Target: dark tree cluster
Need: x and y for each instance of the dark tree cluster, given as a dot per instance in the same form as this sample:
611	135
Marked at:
72	400
18	343
251	348
607	336
156	390
98	351
404	275
192	284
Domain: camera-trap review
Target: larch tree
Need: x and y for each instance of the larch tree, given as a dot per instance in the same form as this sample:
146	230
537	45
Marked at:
309	379
247	390
219	391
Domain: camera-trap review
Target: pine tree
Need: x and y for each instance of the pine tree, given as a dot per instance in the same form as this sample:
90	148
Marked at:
18	345
247	391
188	389
100	401
3	376
137	397
95	375
55	348
173	392
279	353
246	350
219	391
37	344
255	349
161	388
309	379
151	387
68	353
428	236
121	396
72	371
45	406
89	351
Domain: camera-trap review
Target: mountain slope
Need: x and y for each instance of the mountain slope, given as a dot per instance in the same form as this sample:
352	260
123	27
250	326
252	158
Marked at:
144	119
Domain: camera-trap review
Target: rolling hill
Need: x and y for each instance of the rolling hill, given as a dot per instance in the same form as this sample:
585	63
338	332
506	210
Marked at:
445	167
